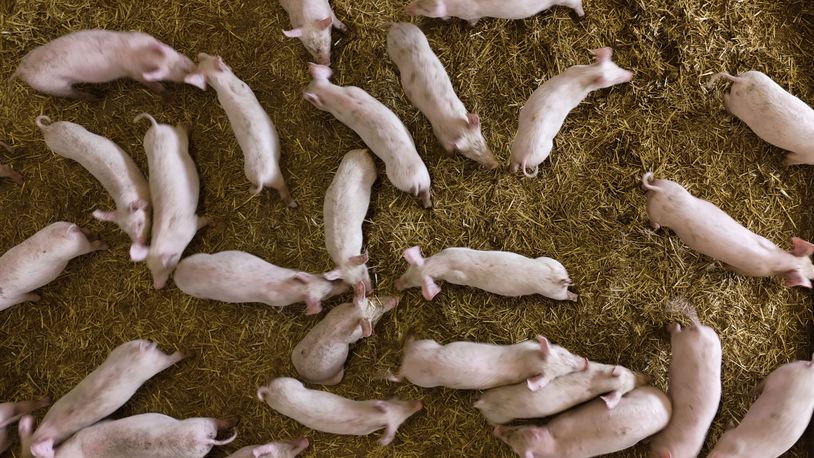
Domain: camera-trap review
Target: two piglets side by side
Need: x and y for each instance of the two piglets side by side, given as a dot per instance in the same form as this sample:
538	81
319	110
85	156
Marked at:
174	188
772	113
381	130
777	419
99	56
507	403
238	277
252	126
11	412
320	356
287	449
707	229
8	172
479	366
592	429
114	169
499	272
311	22
334	414
346	204
473	10
40	259
695	388
428	87
103	391
541	118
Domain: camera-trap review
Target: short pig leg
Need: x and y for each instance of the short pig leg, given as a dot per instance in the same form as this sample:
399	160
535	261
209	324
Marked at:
429	289
202	221
6	172
425	198
793	159
282	189
337	24
105	216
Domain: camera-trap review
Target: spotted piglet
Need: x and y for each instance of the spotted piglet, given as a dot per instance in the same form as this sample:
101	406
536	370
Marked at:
287	449
11	412
473	10
312	21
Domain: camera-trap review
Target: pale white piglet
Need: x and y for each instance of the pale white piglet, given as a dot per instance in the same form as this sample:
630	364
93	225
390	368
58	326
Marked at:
504	404
114	169
99	56
334	414
320	356
11	412
772	113
777	419
542	116
99	394
311	21
709	230
174	188
346	203
473	10
252	126
499	272
381	130
592	429
428	87
287	449
480	366
40	259
238	277
695	387
8	172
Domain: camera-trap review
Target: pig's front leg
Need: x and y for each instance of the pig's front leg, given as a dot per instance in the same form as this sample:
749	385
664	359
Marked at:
337	24
6	172
202	221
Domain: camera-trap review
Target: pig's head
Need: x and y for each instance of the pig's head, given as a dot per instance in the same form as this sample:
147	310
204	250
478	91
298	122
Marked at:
371	309
210	68
554	361
316	36
352	272
395	412
804	272
607	73
287	449
427	8
525	440
315	289
157	61
472	144
415	275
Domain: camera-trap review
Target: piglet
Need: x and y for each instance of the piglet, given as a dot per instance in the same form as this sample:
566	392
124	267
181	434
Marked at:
507	403
777	419
480	366
311	21
7	172
251	124
114	169
334	414
428	87
344	210
101	393
772	113
288	449
40	259
592	429
11	412
320	356
541	118
380	129
695	387
99	56
473	10
238	277
499	272
707	229
174	189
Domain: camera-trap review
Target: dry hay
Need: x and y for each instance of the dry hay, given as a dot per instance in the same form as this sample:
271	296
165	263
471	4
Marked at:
586	207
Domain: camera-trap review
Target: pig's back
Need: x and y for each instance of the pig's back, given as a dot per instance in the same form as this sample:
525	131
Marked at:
174	184
328	412
499	272
346	205
228	276
511	9
84	56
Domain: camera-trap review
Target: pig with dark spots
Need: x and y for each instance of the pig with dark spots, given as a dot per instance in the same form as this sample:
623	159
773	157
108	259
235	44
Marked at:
709	230
320	356
8	172
334	414
287	449
312	21
473	10
11	412
40	259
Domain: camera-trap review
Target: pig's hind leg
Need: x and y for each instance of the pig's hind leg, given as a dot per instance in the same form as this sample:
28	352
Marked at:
61	88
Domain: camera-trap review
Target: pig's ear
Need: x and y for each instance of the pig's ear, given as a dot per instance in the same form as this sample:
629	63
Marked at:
612	399
196	79
359	296
795	278
537	382
324	23
137	205
302	277
545	345
381	406
293	33
313	98
801	248
602	54
332	275
413	256
429	288
473	121
359	259
615	372
367	327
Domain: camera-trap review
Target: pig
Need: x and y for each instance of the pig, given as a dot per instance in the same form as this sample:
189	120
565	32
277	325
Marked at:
499	272
6	171
507	403
40	259
346	204
480	366
312	21
238	277
772	113
777	419
541	118
707	229
174	190
334	414
99	56
592	429
101	393
11	412
428	87
473	10
288	449
148	435
381	130
320	356
251	124
695	387
114	169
